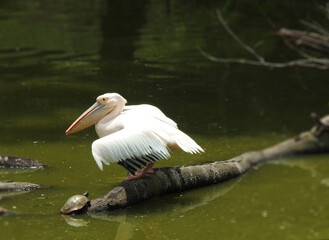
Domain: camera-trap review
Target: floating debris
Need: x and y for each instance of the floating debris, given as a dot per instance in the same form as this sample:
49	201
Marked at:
19	162
18	186
4	211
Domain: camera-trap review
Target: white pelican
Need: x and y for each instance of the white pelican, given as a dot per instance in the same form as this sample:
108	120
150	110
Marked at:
132	136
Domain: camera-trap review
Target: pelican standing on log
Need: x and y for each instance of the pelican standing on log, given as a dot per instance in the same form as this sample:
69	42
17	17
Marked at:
133	136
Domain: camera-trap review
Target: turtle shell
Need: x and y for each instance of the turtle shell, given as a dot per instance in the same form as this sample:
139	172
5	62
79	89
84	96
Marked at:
74	203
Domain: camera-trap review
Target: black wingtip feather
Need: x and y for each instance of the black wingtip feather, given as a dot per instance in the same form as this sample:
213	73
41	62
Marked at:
134	164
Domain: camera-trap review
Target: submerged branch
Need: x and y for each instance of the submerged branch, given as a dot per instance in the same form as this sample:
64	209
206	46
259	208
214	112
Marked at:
177	179
319	63
17	186
4	211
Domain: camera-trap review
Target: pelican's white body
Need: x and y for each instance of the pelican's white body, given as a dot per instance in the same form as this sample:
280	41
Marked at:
132	136
134	131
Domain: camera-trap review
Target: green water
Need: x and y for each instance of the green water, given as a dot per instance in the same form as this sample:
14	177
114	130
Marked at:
56	57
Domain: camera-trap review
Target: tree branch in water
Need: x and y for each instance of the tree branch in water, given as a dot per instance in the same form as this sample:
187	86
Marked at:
178	179
313	40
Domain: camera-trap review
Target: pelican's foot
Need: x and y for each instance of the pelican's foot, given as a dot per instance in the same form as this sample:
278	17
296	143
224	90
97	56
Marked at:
137	176
143	173
150	171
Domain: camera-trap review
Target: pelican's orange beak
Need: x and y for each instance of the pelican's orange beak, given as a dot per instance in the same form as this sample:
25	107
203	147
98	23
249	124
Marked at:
90	117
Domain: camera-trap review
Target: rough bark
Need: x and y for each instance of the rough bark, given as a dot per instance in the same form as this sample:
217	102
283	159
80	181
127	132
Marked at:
18	162
311	40
18	186
177	179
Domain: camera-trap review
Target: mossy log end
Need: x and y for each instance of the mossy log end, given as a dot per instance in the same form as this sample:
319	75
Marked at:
177	179
18	162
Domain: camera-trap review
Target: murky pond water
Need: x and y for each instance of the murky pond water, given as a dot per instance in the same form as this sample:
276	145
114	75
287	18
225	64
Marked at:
58	56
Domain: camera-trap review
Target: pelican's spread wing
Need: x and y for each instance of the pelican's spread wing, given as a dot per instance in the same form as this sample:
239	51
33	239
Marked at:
131	148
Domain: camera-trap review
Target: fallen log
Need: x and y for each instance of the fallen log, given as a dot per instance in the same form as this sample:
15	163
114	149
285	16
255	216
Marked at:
311	40
177	179
18	162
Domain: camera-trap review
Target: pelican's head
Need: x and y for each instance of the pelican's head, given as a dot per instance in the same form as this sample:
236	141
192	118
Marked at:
104	104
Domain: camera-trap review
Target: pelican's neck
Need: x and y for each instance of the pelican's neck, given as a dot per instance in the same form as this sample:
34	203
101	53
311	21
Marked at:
103	127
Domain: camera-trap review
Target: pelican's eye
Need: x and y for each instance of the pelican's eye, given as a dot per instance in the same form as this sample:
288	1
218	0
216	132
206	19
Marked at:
103	100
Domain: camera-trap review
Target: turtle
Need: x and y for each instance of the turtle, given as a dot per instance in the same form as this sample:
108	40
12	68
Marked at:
76	203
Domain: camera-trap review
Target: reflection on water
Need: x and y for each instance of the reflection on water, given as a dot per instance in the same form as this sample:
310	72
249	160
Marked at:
11	194
57	56
128	224
14	171
75	222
